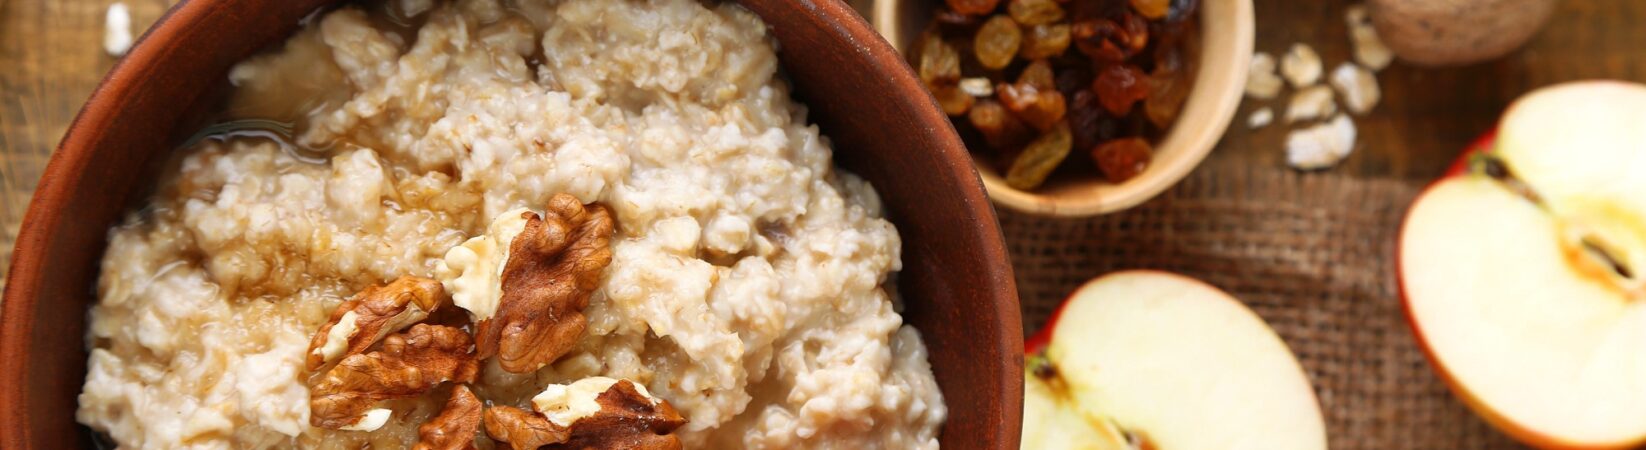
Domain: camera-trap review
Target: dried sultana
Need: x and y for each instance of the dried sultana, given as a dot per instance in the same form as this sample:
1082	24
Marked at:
997	42
1039	158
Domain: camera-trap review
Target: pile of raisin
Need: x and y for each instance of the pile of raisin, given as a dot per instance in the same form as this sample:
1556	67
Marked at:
1030	82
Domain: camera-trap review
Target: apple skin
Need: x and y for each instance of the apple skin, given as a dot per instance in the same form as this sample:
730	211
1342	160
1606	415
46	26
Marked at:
1034	344
1481	145
1519	432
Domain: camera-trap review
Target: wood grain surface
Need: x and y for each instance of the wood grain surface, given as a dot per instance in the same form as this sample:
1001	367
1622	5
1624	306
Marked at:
51	57
1428	115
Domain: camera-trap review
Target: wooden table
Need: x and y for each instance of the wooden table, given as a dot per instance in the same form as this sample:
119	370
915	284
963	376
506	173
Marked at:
1427	115
51	58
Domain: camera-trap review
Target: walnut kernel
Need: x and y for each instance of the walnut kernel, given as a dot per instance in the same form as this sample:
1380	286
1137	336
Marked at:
593	413
554	266
359	323
408	364
455	427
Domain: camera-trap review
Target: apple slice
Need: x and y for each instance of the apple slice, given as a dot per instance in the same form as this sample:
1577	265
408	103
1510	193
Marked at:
1145	359
1520	273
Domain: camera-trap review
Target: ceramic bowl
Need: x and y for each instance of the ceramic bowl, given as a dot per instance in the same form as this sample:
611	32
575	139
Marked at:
1226	50
956	281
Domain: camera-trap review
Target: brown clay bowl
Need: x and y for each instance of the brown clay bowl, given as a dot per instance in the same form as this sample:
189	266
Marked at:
1226	30
956	280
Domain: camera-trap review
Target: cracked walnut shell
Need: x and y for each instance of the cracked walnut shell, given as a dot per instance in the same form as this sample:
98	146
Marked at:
361	321
554	266
408	364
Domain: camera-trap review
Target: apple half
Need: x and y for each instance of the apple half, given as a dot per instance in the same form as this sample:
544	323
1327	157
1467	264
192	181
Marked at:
1522	272
1153	360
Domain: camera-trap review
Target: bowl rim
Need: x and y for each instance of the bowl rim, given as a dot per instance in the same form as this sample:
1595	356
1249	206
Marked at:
56	185
1199	141
168	36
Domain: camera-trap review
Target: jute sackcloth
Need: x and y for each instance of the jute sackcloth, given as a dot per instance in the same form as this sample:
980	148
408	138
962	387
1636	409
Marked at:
1313	254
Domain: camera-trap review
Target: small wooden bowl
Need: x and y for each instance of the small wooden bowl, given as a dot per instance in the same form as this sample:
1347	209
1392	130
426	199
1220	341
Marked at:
956	284
1226	32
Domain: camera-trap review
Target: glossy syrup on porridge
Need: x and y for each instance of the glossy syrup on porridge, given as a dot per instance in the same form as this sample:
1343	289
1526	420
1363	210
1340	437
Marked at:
747	282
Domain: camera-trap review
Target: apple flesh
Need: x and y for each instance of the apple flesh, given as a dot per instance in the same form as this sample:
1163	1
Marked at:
1146	359
1519	273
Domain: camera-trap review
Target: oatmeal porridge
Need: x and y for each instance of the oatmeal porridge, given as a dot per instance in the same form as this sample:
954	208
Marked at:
415	145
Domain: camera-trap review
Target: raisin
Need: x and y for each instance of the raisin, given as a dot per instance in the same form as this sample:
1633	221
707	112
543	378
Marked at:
1074	79
1134	124
1171	38
1034	12
952	99
1122	159
999	128
1120	86
973	7
950	18
1169	86
1079	10
996	42
1088	122
1111	41
1045	41
1038	75
1034	98
1040	109
1152	9
1039	158
939	61
1168	56
1172	78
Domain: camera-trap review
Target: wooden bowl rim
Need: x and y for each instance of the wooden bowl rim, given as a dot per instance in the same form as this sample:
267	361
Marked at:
1095	197
167	39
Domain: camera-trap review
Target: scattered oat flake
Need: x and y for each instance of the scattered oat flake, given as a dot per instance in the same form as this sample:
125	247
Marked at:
1260	118
1321	146
117	30
1356	15
1310	103
1301	66
1368	47
977	87
1261	81
1357	86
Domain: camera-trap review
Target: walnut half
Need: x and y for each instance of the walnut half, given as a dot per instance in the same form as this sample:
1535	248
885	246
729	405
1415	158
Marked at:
455	427
554	266
359	323
408	364
522	429
627	418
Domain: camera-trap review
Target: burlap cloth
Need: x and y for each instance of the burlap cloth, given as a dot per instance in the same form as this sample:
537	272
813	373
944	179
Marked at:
1311	253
